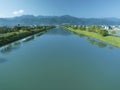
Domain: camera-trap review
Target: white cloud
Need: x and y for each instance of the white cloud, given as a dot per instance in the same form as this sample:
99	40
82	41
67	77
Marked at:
19	12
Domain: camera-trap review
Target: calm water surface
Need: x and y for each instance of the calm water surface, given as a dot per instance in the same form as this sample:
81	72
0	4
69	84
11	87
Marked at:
60	60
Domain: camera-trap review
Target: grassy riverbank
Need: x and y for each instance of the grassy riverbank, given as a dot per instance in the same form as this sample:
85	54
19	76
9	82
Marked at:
115	41
8	35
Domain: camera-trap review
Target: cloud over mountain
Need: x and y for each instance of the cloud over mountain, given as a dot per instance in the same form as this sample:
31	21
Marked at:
19	12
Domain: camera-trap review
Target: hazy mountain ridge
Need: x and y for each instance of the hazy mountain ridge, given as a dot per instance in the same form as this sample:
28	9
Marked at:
55	20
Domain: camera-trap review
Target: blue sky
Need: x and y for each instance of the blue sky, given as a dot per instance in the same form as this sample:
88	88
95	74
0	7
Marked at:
78	8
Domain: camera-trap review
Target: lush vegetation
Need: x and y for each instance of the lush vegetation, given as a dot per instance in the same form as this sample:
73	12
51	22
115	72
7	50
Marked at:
11	34
96	32
93	28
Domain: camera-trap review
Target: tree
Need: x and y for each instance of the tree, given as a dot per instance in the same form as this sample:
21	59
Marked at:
104	32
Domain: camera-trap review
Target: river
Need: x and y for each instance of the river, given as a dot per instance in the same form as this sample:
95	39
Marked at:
60	60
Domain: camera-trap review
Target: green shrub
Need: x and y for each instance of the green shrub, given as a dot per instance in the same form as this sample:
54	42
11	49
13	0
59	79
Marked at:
103	33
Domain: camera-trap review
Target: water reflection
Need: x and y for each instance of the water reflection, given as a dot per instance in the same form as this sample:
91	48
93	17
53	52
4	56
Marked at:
29	39
16	45
59	31
111	47
100	44
7	49
3	60
41	33
97	42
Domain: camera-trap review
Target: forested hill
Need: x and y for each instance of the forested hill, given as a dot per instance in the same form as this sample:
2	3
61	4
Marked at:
56	20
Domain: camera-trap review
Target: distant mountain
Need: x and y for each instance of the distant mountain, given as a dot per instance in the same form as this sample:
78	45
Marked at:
57	20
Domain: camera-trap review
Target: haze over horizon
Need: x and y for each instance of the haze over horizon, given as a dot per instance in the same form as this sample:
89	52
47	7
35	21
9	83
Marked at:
76	8
25	15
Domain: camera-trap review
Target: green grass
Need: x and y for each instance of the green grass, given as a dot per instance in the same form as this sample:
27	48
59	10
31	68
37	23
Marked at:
115	41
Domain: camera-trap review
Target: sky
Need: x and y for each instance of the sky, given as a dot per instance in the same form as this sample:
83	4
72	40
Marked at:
77	8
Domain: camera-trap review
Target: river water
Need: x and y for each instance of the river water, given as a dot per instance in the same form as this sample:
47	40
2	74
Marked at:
59	60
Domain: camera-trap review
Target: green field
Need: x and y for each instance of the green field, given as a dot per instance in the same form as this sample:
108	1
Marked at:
115	41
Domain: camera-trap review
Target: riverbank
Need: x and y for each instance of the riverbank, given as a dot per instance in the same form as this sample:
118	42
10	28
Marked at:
17	33
115	41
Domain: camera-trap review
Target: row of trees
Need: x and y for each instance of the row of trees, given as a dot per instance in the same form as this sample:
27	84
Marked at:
93	28
5	29
11	34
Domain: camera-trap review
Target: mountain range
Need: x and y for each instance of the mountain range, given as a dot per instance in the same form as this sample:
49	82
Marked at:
57	20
